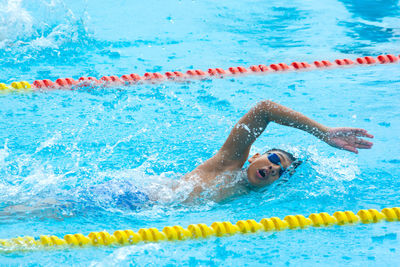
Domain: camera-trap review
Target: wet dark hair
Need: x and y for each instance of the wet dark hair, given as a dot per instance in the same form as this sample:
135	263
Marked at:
295	162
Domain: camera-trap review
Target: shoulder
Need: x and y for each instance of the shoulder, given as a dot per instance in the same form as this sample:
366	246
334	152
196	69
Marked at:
216	165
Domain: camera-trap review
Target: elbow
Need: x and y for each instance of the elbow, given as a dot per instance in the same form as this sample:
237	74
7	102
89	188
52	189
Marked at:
267	108
266	104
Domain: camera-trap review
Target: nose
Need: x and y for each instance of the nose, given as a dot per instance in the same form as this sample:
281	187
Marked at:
272	170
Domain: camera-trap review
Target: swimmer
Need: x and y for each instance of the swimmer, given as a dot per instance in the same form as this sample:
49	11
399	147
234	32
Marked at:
266	168
217	174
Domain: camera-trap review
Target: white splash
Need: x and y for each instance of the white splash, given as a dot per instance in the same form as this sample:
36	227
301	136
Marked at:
27	27
15	21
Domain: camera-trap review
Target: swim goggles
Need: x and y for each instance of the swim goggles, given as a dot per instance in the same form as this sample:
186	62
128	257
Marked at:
274	158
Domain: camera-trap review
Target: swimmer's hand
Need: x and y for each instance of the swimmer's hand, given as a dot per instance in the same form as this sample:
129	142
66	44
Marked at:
348	138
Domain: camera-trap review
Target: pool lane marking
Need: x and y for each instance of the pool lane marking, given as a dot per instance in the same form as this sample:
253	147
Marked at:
198	231
176	76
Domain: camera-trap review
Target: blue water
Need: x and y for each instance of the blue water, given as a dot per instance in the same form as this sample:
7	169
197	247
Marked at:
55	144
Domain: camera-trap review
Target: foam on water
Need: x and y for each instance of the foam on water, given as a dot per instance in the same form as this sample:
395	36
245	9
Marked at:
41	31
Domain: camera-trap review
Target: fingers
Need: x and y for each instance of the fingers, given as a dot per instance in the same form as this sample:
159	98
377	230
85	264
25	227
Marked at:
361	132
361	143
364	146
351	149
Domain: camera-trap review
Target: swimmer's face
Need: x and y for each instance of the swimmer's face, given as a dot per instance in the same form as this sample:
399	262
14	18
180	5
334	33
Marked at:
263	172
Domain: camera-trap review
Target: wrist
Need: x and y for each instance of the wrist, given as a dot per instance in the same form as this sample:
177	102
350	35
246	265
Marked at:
322	132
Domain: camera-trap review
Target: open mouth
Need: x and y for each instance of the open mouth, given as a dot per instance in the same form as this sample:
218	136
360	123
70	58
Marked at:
262	173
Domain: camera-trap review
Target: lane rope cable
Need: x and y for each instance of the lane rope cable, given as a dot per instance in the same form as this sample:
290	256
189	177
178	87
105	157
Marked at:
177	76
198	231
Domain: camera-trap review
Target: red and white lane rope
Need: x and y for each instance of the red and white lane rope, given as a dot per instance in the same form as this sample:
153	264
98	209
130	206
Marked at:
149	77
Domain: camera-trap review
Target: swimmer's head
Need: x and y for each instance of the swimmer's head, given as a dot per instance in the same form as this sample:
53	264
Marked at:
266	168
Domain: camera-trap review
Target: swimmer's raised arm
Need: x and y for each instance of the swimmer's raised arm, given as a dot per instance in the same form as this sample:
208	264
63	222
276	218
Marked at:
262	171
235	150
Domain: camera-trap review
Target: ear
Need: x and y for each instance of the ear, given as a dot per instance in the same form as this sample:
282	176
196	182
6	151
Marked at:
254	157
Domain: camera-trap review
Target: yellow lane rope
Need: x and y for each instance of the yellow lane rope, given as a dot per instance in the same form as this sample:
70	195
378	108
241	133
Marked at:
15	86
196	231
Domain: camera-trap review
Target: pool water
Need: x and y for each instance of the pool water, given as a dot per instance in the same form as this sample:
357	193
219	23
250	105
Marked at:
54	144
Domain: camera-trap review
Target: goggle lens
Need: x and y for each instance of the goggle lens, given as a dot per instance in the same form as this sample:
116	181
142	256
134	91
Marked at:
274	158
